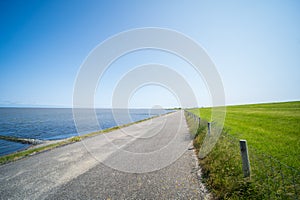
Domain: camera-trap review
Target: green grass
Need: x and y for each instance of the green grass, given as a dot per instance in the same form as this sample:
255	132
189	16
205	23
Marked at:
272	133
273	128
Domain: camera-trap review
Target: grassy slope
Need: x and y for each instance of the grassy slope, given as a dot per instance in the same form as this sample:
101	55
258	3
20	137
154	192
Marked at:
270	128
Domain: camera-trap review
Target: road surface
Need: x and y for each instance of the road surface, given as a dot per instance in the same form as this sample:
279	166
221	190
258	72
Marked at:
148	160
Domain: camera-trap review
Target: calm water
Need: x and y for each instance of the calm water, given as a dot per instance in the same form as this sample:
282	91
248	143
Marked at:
58	123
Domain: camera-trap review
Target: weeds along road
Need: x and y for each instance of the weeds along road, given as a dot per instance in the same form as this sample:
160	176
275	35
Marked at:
148	160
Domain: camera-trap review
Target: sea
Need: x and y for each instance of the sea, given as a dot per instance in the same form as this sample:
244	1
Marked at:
58	123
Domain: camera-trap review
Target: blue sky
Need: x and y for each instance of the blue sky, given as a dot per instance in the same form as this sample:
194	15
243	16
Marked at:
255	46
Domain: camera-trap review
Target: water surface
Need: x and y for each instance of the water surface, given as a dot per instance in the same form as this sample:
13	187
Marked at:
58	123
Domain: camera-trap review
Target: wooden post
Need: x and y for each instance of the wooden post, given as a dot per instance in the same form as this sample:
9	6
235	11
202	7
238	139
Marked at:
245	158
208	128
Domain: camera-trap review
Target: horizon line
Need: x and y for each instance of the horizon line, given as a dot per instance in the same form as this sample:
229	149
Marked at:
175	107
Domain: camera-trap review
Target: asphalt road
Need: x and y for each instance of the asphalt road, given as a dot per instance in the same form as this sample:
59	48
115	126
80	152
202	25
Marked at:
148	160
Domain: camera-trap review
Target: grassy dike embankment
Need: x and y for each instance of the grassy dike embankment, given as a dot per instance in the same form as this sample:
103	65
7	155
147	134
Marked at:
272	134
54	144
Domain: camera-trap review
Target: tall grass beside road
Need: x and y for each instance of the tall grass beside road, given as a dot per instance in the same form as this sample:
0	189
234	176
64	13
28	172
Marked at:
272	128
272	134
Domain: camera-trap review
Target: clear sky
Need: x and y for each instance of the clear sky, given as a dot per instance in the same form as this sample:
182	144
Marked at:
255	46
